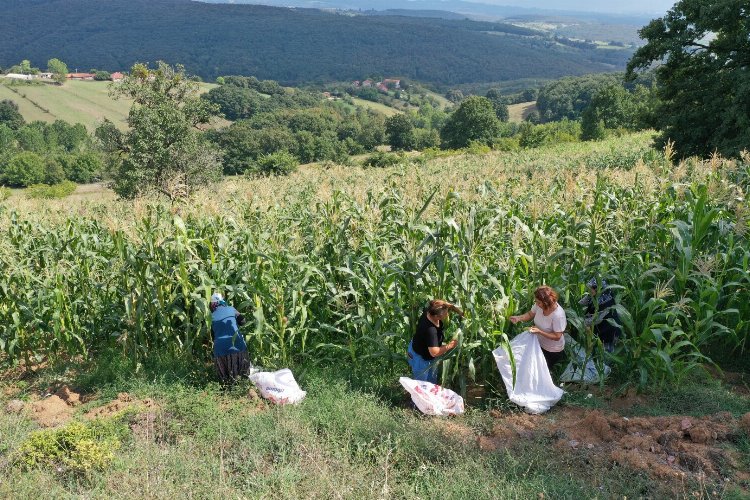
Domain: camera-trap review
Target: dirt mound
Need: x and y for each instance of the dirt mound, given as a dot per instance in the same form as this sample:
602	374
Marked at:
123	402
55	409
51	411
671	447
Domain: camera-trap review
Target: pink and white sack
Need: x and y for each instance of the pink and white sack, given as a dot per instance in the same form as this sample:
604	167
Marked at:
432	399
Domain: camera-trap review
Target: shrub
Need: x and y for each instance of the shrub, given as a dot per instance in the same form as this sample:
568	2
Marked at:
278	163
48	192
76	447
381	159
506	144
477	148
4	193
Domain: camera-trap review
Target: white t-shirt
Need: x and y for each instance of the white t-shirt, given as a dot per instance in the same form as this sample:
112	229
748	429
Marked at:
555	322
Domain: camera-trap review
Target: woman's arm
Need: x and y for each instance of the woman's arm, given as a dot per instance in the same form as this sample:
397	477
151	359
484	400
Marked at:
548	335
523	317
439	351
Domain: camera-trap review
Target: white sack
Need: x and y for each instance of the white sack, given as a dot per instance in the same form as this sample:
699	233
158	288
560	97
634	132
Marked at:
432	399
581	370
534	389
278	387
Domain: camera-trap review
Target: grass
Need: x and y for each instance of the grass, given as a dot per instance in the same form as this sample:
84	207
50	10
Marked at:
518	112
342	441
83	102
375	106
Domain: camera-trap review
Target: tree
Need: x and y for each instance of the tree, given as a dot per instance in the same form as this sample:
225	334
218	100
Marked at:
58	69
9	115
400	132
455	96
163	150
703	84
499	103
611	107
474	120
102	76
24	169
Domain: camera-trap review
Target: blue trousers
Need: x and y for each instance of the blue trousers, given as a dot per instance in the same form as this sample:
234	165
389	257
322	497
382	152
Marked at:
422	369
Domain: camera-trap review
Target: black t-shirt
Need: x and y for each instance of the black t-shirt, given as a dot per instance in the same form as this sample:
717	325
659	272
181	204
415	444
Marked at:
428	335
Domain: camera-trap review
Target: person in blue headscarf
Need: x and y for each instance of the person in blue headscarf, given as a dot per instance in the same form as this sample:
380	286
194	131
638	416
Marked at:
230	351
600	309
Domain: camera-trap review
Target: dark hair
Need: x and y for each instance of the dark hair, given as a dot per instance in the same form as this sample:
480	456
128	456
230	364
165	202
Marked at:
437	307
546	295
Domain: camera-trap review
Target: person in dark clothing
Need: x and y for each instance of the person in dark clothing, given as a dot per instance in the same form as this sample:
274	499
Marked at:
230	351
599	304
427	344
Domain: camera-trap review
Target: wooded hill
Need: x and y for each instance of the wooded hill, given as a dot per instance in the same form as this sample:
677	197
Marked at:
288	45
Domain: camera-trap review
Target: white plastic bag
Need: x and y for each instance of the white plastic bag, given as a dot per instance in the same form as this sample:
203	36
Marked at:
278	387
534	390
581	370
432	399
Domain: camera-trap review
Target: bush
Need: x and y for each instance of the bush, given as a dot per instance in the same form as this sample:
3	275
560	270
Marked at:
506	144
4	193
477	148
24	169
381	159
76	447
48	192
278	163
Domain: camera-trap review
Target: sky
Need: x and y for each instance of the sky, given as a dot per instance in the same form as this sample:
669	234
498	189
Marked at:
604	6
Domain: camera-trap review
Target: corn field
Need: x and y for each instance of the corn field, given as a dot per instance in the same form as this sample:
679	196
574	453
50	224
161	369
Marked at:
334	266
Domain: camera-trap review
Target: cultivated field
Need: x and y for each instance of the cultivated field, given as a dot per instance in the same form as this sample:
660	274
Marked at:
106	301
519	112
83	102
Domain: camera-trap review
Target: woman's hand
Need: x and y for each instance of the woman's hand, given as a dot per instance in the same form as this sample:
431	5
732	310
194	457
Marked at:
515	319
534	329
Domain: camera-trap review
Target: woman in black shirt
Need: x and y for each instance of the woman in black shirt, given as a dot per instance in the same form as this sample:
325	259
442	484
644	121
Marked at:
427	344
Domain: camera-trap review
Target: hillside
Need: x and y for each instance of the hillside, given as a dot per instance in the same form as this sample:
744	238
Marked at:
76	102
288	45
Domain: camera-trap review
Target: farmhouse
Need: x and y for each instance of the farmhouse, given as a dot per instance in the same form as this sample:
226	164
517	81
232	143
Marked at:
116	76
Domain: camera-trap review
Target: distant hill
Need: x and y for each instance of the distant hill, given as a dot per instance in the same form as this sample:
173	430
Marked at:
438	14
289	45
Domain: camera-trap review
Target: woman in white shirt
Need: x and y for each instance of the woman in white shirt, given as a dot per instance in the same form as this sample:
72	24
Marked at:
549	324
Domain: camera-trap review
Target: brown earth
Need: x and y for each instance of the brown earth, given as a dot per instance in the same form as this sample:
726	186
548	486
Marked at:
55	409
123	402
671	448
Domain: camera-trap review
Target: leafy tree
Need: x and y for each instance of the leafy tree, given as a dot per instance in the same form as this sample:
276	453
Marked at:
58	69
455	96
499	103
611	107
9	115
102	76
164	150
24	169
703	82
53	171
25	68
400	132
474	120
83	167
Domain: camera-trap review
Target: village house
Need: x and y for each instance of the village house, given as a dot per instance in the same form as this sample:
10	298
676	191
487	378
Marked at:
116	76
367	83
388	82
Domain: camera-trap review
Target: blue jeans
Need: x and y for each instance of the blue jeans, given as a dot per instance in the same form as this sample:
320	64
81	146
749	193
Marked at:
422	369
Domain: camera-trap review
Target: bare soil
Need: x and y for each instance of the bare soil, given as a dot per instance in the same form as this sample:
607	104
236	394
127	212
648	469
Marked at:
673	448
